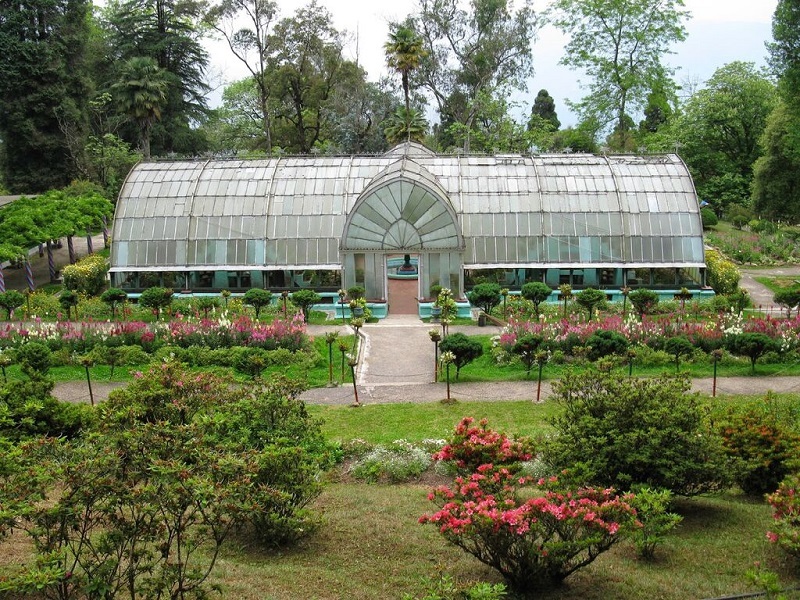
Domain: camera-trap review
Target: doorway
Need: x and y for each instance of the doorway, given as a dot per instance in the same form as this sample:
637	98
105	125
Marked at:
402	272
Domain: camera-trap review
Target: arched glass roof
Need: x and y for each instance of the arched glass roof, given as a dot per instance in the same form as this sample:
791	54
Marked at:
506	210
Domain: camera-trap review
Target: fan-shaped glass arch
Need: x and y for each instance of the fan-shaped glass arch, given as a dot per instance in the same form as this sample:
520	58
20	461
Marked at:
401	215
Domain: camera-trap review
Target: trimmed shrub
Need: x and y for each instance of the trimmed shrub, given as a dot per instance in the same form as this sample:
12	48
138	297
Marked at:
537	292
485	295
11	300
605	342
644	301
465	349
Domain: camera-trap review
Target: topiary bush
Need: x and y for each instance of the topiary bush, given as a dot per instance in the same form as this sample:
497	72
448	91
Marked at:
644	301
11	300
305	299
605	342
485	295
464	348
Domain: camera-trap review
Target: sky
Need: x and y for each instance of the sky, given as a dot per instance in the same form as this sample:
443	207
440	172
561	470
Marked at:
719	32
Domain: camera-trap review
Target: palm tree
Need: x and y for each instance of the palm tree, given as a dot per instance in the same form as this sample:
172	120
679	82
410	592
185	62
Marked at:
404	53
405	125
141	93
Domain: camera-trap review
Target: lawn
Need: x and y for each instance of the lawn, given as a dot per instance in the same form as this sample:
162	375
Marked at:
371	545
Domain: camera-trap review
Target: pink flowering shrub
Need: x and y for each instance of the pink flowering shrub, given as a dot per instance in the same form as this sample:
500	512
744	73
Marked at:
785	504
532	532
474	445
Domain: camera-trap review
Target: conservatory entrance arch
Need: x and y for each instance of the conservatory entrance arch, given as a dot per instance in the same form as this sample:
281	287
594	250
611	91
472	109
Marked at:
404	211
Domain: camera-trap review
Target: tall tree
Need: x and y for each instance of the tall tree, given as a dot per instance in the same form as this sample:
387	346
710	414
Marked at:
141	94
544	107
720	130
784	50
43	79
620	44
308	69
776	182
246	25
404	53
483	50
170	33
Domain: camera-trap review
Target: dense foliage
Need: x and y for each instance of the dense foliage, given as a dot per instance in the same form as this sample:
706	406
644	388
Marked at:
143	503
619	432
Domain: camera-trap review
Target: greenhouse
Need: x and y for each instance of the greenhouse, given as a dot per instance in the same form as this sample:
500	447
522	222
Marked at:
332	222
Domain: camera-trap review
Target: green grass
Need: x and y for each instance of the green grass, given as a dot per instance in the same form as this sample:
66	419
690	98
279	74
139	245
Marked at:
778	282
384	423
371	547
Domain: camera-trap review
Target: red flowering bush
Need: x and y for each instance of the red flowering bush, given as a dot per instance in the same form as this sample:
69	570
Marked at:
785	503
474	445
532	532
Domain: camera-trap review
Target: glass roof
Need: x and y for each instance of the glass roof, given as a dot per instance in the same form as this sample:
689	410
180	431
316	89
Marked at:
302	212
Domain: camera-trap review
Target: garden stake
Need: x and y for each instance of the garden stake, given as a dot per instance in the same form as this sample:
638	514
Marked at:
435	338
87	362
343	348
342	294
541	358
715	356
330	338
353	362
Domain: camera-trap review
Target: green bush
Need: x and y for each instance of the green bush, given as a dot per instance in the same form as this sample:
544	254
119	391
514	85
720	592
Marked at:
30	411
304	300
652	511
788	298
751	345
258	299
485	295
465	349
537	292
34	358
133	356
252	362
764	449
708	217
605	342
644	301
156	299
113	297
591	299
11	300
621	431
